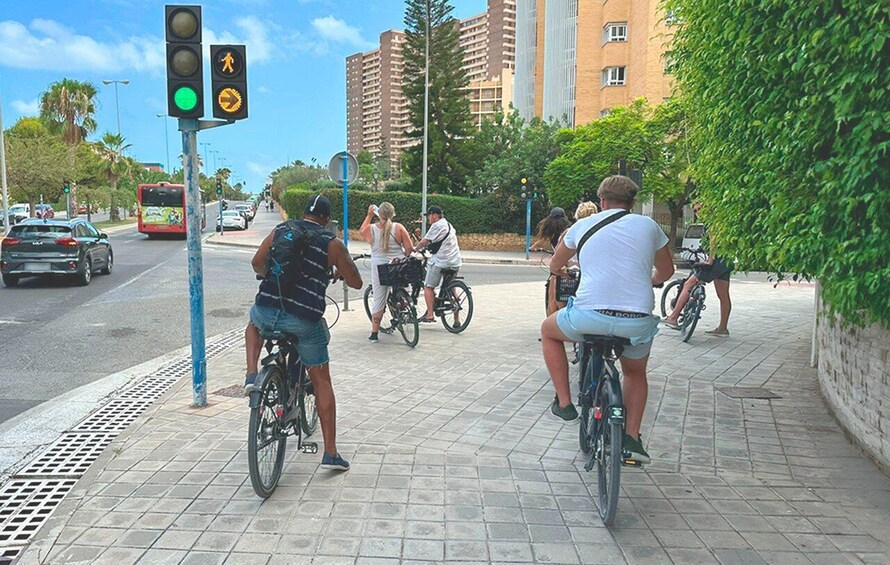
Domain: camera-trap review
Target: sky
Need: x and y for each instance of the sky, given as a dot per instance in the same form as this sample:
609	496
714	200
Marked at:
296	64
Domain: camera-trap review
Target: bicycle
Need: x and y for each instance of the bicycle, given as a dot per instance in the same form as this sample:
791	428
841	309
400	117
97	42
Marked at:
282	404
602	435
691	313
399	304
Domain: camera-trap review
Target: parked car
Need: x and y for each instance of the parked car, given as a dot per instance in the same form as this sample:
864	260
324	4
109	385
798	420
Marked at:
69	248
232	219
248	211
44	211
19	213
692	240
82	209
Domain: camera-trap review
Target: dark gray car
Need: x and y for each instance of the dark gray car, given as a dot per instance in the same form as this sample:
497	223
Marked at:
74	249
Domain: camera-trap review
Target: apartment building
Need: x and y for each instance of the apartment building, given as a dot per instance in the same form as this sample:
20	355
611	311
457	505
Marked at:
578	59
377	117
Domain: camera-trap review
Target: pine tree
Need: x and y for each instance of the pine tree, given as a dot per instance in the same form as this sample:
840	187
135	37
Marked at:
450	121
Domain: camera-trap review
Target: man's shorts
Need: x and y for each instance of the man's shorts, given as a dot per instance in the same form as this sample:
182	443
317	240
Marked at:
575	323
314	337
719	270
434	274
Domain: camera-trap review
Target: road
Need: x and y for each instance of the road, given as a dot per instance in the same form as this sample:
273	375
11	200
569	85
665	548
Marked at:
55	337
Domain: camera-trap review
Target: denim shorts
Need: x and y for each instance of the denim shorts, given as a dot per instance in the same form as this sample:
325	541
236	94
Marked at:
575	323
314	337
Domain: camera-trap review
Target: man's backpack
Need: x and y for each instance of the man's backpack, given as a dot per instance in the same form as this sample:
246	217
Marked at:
288	248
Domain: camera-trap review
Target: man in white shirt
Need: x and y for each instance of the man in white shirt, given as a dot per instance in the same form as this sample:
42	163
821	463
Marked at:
441	240
615	297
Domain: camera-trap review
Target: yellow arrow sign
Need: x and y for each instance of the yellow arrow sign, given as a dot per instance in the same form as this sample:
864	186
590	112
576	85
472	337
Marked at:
229	100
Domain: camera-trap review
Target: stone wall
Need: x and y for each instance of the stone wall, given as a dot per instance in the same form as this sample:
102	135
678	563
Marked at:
854	374
478	241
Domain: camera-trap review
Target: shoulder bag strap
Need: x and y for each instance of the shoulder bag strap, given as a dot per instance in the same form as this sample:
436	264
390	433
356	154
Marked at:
598	227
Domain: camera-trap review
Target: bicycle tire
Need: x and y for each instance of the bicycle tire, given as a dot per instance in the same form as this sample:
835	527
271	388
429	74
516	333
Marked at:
369	296
609	453
265	428
465	305
547	297
586	372
667	301
691	314
406	317
544	264
308	409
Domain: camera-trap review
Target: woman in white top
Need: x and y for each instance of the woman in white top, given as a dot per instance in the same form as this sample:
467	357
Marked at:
389	240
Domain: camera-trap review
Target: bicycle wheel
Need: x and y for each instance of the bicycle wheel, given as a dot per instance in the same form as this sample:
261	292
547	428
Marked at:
547	297
691	313
368	298
457	308
406	317
545	262
669	296
610	444
266	441
308	409
585	399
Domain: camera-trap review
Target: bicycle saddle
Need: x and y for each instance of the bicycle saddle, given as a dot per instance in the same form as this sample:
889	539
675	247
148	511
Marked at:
449	271
606	340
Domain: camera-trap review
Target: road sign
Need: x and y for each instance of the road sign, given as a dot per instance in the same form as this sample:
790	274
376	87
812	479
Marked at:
185	77
229	99
335	168
229	78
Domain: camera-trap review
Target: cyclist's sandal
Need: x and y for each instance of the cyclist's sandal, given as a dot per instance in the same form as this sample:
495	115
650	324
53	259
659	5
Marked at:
721	333
670	324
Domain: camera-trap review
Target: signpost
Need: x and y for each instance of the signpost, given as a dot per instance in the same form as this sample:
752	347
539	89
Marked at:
529	197
343	169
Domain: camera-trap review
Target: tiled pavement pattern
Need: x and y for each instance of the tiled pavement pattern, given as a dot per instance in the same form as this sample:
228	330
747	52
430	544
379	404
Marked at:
455	458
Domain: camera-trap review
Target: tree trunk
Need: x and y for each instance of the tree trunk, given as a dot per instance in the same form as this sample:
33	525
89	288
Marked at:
113	212
676	214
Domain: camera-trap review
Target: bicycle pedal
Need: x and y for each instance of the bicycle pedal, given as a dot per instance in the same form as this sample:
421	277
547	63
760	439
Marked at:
631	463
309	447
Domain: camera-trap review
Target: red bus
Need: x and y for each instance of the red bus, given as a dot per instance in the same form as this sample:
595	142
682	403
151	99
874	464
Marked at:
162	209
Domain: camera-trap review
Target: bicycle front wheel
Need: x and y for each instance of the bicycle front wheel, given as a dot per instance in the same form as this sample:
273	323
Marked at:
308	409
406	317
368	299
609	457
691	313
669	296
266	440
457	309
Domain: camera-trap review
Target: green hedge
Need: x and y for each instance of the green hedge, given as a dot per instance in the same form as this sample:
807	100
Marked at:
489	214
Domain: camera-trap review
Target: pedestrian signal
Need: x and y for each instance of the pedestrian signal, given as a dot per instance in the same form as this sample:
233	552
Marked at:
185	77
229	81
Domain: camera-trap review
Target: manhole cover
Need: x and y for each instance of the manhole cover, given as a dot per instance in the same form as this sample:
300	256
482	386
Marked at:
748	392
234	391
71	455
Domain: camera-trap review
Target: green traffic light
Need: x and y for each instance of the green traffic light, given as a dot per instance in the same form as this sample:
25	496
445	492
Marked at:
185	98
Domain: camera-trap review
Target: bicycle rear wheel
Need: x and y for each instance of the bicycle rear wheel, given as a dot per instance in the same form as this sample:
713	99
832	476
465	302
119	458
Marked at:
609	448
669	296
308	409
457	308
406	317
585	400
368	299
266	440
691	313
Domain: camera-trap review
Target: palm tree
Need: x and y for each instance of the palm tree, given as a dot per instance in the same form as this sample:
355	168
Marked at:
67	108
114	165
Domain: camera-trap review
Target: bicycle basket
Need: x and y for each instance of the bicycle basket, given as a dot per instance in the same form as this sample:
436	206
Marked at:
567	286
411	272
388	273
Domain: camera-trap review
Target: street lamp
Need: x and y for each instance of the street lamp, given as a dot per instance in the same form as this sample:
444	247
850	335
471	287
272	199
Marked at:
166	142
116	104
206	164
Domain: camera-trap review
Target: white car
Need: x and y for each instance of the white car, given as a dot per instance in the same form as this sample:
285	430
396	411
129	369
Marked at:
19	213
247	209
232	219
692	240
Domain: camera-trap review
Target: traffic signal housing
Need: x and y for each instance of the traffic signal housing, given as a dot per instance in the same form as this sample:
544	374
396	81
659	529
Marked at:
185	77
66	187
218	187
229	81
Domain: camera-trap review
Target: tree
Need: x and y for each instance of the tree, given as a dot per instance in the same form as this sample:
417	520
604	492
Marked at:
37	162
114	166
450	121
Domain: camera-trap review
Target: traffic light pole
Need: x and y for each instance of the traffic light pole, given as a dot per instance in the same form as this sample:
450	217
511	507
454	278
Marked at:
528	227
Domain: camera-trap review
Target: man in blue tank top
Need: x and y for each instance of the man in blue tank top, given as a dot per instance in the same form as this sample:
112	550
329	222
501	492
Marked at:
297	308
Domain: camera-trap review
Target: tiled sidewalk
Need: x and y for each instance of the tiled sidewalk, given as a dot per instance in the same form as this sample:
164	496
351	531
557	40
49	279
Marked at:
455	458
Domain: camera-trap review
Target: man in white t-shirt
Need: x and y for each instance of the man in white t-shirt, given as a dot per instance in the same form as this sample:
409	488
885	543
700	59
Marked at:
441	240
615	297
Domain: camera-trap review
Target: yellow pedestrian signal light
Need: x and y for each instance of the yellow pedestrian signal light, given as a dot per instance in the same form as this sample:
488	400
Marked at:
229	81
185	77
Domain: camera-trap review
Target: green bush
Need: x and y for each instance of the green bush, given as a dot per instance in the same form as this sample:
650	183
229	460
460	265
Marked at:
492	213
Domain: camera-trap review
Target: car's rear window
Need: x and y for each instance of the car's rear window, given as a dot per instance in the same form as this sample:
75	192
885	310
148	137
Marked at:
231	214
695	231
39	230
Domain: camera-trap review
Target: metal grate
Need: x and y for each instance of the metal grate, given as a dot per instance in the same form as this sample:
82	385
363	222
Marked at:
8	554
234	391
72	455
151	388
25	504
175	370
113	417
748	392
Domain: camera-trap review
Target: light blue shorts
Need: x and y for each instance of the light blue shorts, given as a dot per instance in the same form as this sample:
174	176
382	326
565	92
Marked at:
314	337
575	323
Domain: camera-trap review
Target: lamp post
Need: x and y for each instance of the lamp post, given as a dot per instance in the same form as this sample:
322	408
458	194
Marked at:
206	164
426	119
166	142
116	104
3	174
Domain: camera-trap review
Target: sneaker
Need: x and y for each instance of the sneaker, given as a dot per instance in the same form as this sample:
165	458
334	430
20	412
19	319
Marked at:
720	333
249	381
373	337
334	462
634	450
566	414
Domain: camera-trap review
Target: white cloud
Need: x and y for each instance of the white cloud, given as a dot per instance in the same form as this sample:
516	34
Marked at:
31	108
252	32
263	89
338	31
258	169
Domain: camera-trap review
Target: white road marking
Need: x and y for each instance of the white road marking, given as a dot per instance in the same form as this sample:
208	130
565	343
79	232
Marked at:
11	322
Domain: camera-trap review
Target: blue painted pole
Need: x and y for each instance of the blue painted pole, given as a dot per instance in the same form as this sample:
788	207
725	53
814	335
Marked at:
189	129
528	227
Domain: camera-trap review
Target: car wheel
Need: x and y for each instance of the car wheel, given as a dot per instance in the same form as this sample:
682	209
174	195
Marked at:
11	280
83	278
110	265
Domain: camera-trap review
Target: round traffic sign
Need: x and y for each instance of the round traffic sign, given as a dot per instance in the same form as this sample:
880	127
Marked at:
228	63
335	168
229	99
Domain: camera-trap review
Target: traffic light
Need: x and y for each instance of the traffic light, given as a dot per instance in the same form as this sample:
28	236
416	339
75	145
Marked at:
218	187
185	77
229	81
66	187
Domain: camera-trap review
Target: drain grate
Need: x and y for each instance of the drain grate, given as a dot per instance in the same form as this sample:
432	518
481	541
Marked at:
25	504
8	554
113	417
234	391
72	455
151	388
748	392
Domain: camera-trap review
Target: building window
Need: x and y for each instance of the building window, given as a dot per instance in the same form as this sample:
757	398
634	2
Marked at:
613	76
605	112
615	32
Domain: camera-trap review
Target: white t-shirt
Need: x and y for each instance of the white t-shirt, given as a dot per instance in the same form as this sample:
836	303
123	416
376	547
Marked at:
616	262
449	253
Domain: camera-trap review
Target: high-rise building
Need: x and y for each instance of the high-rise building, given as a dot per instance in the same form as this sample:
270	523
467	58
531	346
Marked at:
578	59
377	117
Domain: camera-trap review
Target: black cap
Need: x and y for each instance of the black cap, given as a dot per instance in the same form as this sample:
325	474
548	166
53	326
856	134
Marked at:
434	210
557	213
318	206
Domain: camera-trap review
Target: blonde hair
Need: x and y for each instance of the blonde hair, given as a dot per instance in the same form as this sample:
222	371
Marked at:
386	212
586	209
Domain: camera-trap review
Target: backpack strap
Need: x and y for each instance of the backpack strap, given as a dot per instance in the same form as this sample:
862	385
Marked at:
598	227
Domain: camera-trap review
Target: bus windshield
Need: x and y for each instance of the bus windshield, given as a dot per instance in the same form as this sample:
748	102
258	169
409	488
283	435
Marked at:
162	196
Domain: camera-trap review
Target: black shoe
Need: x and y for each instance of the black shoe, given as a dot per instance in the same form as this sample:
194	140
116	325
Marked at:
566	414
373	337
